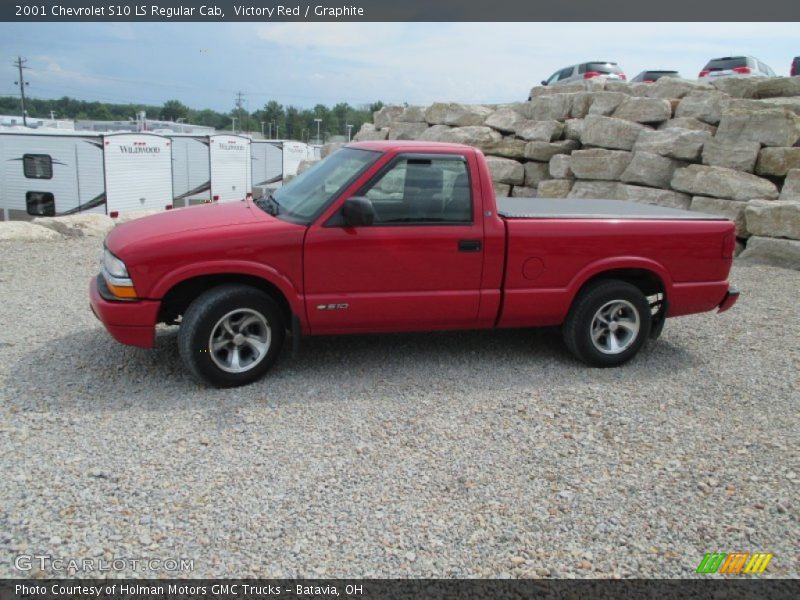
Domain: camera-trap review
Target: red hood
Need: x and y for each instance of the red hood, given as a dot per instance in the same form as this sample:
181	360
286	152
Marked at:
174	222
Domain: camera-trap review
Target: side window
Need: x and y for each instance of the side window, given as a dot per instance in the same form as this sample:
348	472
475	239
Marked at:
37	166
565	73
553	78
40	204
422	190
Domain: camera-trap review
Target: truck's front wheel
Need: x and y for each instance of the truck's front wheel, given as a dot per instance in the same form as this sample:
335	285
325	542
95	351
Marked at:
608	324
231	335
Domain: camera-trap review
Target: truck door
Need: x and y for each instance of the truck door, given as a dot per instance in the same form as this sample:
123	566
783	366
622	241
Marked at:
417	267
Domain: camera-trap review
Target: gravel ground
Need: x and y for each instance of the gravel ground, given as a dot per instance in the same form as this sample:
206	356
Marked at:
471	454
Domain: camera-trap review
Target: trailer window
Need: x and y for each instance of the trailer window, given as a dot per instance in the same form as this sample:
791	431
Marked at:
40	204
37	166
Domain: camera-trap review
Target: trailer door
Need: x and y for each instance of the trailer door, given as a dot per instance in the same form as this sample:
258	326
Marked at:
229	158
293	154
138	170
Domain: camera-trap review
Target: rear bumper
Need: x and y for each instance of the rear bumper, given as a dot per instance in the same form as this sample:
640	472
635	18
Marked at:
131	323
731	296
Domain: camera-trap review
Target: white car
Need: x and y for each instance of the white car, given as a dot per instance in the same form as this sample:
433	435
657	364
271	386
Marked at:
589	70
734	66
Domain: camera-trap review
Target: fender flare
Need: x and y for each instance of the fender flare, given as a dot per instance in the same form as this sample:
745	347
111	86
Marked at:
613	264
231	267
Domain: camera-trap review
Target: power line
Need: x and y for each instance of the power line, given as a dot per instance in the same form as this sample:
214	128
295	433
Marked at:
206	88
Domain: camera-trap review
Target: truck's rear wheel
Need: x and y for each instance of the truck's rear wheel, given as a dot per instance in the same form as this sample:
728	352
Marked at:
608	324
231	335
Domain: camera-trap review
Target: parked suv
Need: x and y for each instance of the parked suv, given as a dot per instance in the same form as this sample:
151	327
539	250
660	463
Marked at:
795	70
587	70
734	66
653	76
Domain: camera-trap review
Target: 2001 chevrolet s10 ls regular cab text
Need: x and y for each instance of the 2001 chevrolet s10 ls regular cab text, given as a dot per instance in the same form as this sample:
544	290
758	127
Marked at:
405	236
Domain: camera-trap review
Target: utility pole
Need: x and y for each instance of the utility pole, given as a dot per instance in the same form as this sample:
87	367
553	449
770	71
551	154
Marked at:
52	115
233	124
240	109
349	129
318	121
262	128
20	64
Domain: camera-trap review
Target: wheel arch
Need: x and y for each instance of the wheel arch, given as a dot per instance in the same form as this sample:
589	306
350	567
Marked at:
647	275
176	291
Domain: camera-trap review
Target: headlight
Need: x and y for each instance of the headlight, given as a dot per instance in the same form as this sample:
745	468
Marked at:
117	279
114	266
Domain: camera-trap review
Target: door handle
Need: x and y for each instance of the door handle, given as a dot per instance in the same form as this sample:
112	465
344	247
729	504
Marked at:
469	245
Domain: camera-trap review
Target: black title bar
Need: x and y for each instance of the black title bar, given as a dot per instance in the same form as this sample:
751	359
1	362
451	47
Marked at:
368	589
403	10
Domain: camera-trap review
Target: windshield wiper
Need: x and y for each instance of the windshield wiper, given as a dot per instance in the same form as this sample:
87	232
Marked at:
269	205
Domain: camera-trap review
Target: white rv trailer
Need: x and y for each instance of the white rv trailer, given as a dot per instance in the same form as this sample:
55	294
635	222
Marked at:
191	172
138	172
266	159
293	154
229	161
49	173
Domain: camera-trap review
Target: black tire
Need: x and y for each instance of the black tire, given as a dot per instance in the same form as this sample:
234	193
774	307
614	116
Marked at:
621	303
260	325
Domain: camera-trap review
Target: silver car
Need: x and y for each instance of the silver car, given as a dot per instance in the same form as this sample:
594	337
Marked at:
734	66
588	70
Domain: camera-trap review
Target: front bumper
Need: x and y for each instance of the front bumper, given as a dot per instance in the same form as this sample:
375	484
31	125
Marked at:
731	296
131	323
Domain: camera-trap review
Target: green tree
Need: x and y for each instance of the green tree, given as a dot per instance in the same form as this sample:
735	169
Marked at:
174	110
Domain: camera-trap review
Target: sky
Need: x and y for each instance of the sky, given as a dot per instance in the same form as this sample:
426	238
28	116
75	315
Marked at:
204	65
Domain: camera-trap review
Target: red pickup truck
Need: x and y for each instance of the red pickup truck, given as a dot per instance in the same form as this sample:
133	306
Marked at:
405	236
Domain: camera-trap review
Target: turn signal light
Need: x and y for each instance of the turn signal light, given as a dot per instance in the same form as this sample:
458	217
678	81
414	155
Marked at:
122	291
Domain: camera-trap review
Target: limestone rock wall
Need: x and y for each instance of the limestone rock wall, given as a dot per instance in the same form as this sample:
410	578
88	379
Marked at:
731	148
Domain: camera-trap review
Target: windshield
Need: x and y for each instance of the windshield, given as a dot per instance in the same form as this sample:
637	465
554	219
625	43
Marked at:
305	195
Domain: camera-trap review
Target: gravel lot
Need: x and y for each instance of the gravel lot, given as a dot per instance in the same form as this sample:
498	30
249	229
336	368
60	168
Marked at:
477	454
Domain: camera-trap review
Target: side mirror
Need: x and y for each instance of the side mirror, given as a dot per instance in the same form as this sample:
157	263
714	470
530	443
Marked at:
358	211
544	82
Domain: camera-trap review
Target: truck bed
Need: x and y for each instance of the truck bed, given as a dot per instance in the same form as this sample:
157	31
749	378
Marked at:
575	208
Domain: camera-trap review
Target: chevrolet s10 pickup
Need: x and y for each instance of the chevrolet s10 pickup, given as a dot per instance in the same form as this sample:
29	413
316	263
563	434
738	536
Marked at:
405	236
